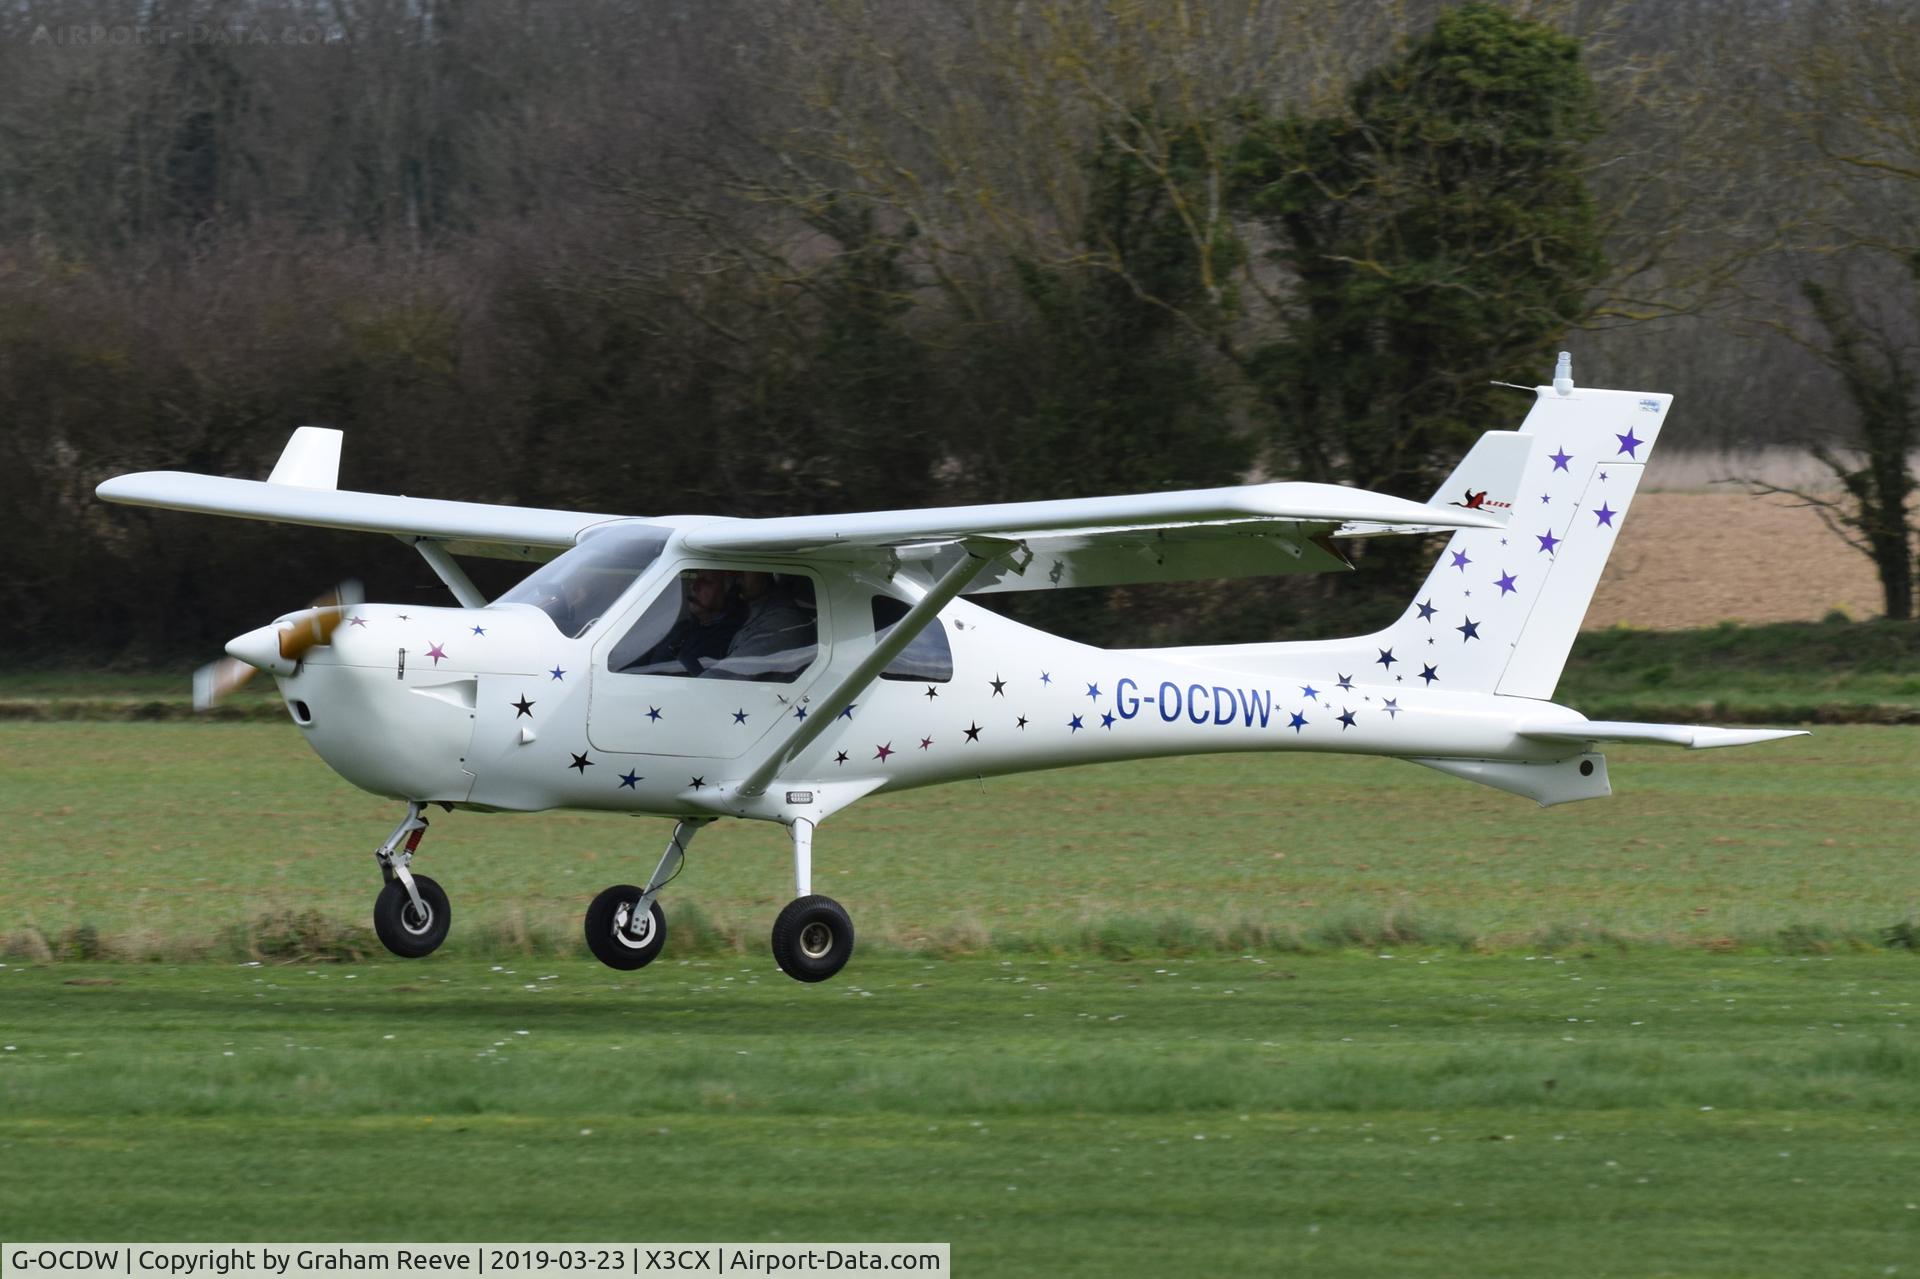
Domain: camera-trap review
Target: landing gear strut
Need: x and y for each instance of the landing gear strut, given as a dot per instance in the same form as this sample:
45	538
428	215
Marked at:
411	915
625	926
813	936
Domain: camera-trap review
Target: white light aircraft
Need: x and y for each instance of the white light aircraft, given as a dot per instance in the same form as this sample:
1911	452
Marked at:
698	667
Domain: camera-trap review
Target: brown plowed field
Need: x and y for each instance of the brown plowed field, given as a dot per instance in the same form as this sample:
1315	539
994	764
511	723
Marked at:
1696	559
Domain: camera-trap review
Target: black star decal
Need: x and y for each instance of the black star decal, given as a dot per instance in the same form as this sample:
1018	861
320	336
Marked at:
932	692
999	685
973	731
1022	723
581	763
698	782
523	707
840	758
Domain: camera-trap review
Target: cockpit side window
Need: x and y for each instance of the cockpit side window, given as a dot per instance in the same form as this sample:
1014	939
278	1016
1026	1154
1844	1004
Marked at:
716	623
928	658
579	586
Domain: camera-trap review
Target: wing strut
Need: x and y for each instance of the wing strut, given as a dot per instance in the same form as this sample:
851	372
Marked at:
448	570
981	552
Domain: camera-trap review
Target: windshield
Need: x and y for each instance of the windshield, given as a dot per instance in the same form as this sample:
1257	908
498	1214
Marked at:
575	589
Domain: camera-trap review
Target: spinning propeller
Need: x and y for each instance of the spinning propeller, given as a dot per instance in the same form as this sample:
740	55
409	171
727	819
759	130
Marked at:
279	645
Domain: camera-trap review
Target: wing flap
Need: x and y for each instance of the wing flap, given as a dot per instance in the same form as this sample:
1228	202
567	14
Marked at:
506	532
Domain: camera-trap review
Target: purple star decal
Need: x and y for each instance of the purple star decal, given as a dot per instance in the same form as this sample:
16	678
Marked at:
881	753
1605	516
1505	582
1629	442
356	621
1560	459
1547	541
1429	673
436	653
1460	561
1299	722
1546	499
1427	610
926	743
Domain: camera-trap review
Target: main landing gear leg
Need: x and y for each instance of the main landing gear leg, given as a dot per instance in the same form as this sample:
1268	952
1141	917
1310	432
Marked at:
411	915
625	926
813	937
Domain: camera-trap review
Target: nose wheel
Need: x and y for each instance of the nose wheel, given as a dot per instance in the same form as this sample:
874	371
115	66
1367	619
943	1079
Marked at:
812	938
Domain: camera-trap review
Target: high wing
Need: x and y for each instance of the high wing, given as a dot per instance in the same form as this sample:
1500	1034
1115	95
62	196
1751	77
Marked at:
1251	530
301	491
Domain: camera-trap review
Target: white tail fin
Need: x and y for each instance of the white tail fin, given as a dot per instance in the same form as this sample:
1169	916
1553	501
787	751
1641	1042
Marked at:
1500	608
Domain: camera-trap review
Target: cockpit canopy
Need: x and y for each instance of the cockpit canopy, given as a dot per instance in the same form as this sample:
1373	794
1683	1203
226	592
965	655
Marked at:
576	588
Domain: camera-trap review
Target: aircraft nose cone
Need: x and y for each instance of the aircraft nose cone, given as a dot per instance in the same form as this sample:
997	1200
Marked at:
261	647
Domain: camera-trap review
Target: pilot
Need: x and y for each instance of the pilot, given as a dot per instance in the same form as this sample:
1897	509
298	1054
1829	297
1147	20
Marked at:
710	615
775	623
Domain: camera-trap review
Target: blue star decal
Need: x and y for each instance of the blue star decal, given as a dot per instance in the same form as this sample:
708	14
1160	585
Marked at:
558	674
1427	610
479	630
1460	561
1346	681
740	716
847	713
1392	707
1505	582
1546	499
1429	673
1470	631
1605	516
799	712
1629	442
1075	724
653	713
1560	459
628	781
1346	719
1045	678
1386	658
1547	541
1093	691
1106	719
1299	722
1309	691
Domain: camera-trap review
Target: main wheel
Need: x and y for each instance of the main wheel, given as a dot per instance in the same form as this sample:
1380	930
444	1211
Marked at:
401	926
812	938
618	940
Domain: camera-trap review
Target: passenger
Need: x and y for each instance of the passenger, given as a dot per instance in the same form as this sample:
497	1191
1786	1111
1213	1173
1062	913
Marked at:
711	613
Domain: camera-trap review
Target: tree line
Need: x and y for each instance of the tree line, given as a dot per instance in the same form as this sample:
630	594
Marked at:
771	258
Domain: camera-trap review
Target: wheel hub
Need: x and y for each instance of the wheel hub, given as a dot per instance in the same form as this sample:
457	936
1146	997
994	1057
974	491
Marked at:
816	940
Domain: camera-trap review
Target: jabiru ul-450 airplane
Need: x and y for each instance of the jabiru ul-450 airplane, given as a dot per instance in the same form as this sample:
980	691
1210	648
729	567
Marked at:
698	667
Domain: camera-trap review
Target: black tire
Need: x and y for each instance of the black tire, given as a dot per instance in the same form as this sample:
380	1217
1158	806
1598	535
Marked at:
612	939
398	922
812	938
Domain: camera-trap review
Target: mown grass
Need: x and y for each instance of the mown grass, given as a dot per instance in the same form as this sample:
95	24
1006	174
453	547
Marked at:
1357	1114
233	841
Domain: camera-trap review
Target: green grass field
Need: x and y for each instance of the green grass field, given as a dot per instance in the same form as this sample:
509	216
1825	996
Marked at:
1231	1015
1430	1113
232	840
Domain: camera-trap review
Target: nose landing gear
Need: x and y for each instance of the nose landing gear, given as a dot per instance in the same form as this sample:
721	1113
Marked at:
411	915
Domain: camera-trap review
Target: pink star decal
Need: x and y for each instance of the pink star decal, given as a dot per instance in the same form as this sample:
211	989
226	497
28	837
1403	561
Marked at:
356	621
436	653
884	751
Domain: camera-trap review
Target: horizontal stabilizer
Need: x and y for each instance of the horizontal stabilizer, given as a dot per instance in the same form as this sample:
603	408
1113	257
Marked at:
1696	737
